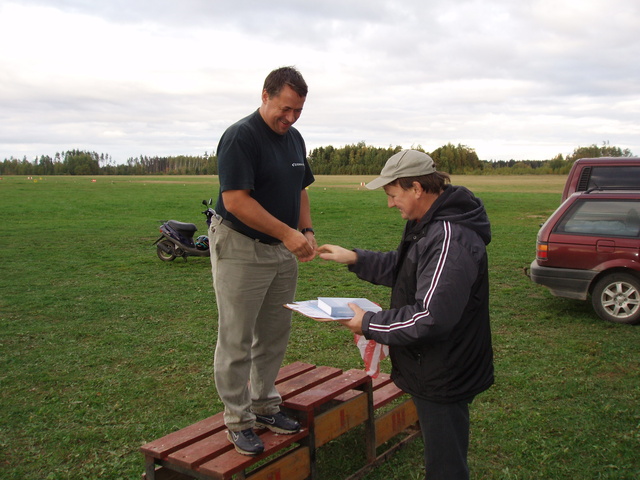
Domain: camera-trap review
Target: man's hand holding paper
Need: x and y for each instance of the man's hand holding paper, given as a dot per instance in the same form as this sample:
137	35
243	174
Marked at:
354	324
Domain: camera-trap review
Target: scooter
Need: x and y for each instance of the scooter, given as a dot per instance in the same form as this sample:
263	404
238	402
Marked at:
177	238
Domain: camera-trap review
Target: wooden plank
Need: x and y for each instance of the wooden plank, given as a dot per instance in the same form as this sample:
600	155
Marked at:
411	435
370	425
295	465
292	370
224	466
163	473
348	395
303	382
395	421
201	451
380	381
385	395
174	441
339	420
310	399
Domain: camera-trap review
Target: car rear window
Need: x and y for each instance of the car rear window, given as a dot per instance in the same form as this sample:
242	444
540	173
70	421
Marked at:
609	176
618	218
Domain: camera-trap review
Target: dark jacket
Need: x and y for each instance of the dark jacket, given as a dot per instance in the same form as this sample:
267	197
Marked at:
437	328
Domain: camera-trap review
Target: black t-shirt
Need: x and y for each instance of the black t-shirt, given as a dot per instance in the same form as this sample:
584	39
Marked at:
273	167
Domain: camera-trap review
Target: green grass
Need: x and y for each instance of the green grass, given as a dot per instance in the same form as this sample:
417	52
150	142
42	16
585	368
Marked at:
104	348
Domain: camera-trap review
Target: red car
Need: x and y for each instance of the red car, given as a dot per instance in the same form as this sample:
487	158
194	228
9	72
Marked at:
603	172
591	245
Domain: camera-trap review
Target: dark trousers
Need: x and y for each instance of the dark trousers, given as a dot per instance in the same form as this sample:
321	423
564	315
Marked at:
445	431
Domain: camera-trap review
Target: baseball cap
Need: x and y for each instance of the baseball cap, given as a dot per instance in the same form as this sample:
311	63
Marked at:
407	163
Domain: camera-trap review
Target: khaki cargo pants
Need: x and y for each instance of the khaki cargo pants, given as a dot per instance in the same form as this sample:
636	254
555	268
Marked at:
252	281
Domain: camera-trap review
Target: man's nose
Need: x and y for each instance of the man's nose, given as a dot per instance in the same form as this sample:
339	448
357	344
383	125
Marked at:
292	117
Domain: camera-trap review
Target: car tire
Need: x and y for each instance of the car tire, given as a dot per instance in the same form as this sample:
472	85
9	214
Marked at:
616	298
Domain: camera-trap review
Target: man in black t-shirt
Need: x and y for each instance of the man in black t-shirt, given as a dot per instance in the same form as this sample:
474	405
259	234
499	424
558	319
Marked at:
264	227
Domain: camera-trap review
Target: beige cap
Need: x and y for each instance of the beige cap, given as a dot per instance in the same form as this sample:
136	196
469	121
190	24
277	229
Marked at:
407	163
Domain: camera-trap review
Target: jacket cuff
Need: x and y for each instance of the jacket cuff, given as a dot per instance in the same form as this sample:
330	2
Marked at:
353	268
365	324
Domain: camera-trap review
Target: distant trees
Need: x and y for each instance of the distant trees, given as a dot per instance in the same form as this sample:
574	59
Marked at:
457	159
180	165
593	151
557	165
360	159
356	159
72	162
77	162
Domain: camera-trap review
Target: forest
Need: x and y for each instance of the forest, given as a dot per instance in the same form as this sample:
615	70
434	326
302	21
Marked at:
356	159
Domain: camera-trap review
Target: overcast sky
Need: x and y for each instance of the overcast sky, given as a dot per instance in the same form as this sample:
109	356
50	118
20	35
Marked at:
511	79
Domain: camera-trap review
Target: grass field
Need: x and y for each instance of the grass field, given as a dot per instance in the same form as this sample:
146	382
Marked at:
104	348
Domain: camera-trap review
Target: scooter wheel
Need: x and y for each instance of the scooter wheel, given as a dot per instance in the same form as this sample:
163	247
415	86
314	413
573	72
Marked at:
165	251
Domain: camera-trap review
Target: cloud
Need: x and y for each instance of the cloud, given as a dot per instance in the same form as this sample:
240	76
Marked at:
523	80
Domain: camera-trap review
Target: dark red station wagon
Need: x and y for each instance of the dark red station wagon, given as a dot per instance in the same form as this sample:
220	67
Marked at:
591	246
602	172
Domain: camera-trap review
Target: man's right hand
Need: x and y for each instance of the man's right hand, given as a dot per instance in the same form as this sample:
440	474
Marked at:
298	244
337	254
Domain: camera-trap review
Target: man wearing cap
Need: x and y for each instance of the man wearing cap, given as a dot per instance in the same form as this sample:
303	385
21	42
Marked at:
437	326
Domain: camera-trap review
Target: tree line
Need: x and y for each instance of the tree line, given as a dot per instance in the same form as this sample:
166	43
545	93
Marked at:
356	159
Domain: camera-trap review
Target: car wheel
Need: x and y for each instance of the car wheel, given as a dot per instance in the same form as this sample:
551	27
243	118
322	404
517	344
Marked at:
616	298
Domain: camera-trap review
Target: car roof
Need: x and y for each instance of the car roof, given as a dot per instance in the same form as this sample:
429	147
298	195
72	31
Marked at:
599	192
601	160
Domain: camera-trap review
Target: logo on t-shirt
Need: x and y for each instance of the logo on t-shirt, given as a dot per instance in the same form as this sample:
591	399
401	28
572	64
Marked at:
297	164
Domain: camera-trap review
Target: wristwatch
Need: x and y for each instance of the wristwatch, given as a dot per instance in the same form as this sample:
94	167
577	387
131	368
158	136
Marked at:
305	230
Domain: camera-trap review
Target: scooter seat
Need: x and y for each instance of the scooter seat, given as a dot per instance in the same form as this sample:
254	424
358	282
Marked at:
183	227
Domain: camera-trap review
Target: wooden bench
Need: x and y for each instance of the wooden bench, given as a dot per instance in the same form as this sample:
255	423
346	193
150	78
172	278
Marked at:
328	403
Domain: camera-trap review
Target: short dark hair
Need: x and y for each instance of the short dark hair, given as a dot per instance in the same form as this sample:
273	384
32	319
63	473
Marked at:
431	183
282	76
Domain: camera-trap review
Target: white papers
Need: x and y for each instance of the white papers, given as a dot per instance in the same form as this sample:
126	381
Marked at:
338	306
311	309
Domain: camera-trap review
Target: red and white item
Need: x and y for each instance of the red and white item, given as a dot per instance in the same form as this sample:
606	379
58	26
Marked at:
372	353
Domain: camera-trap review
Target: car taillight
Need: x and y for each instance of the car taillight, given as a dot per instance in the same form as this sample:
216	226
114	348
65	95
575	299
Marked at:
541	251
